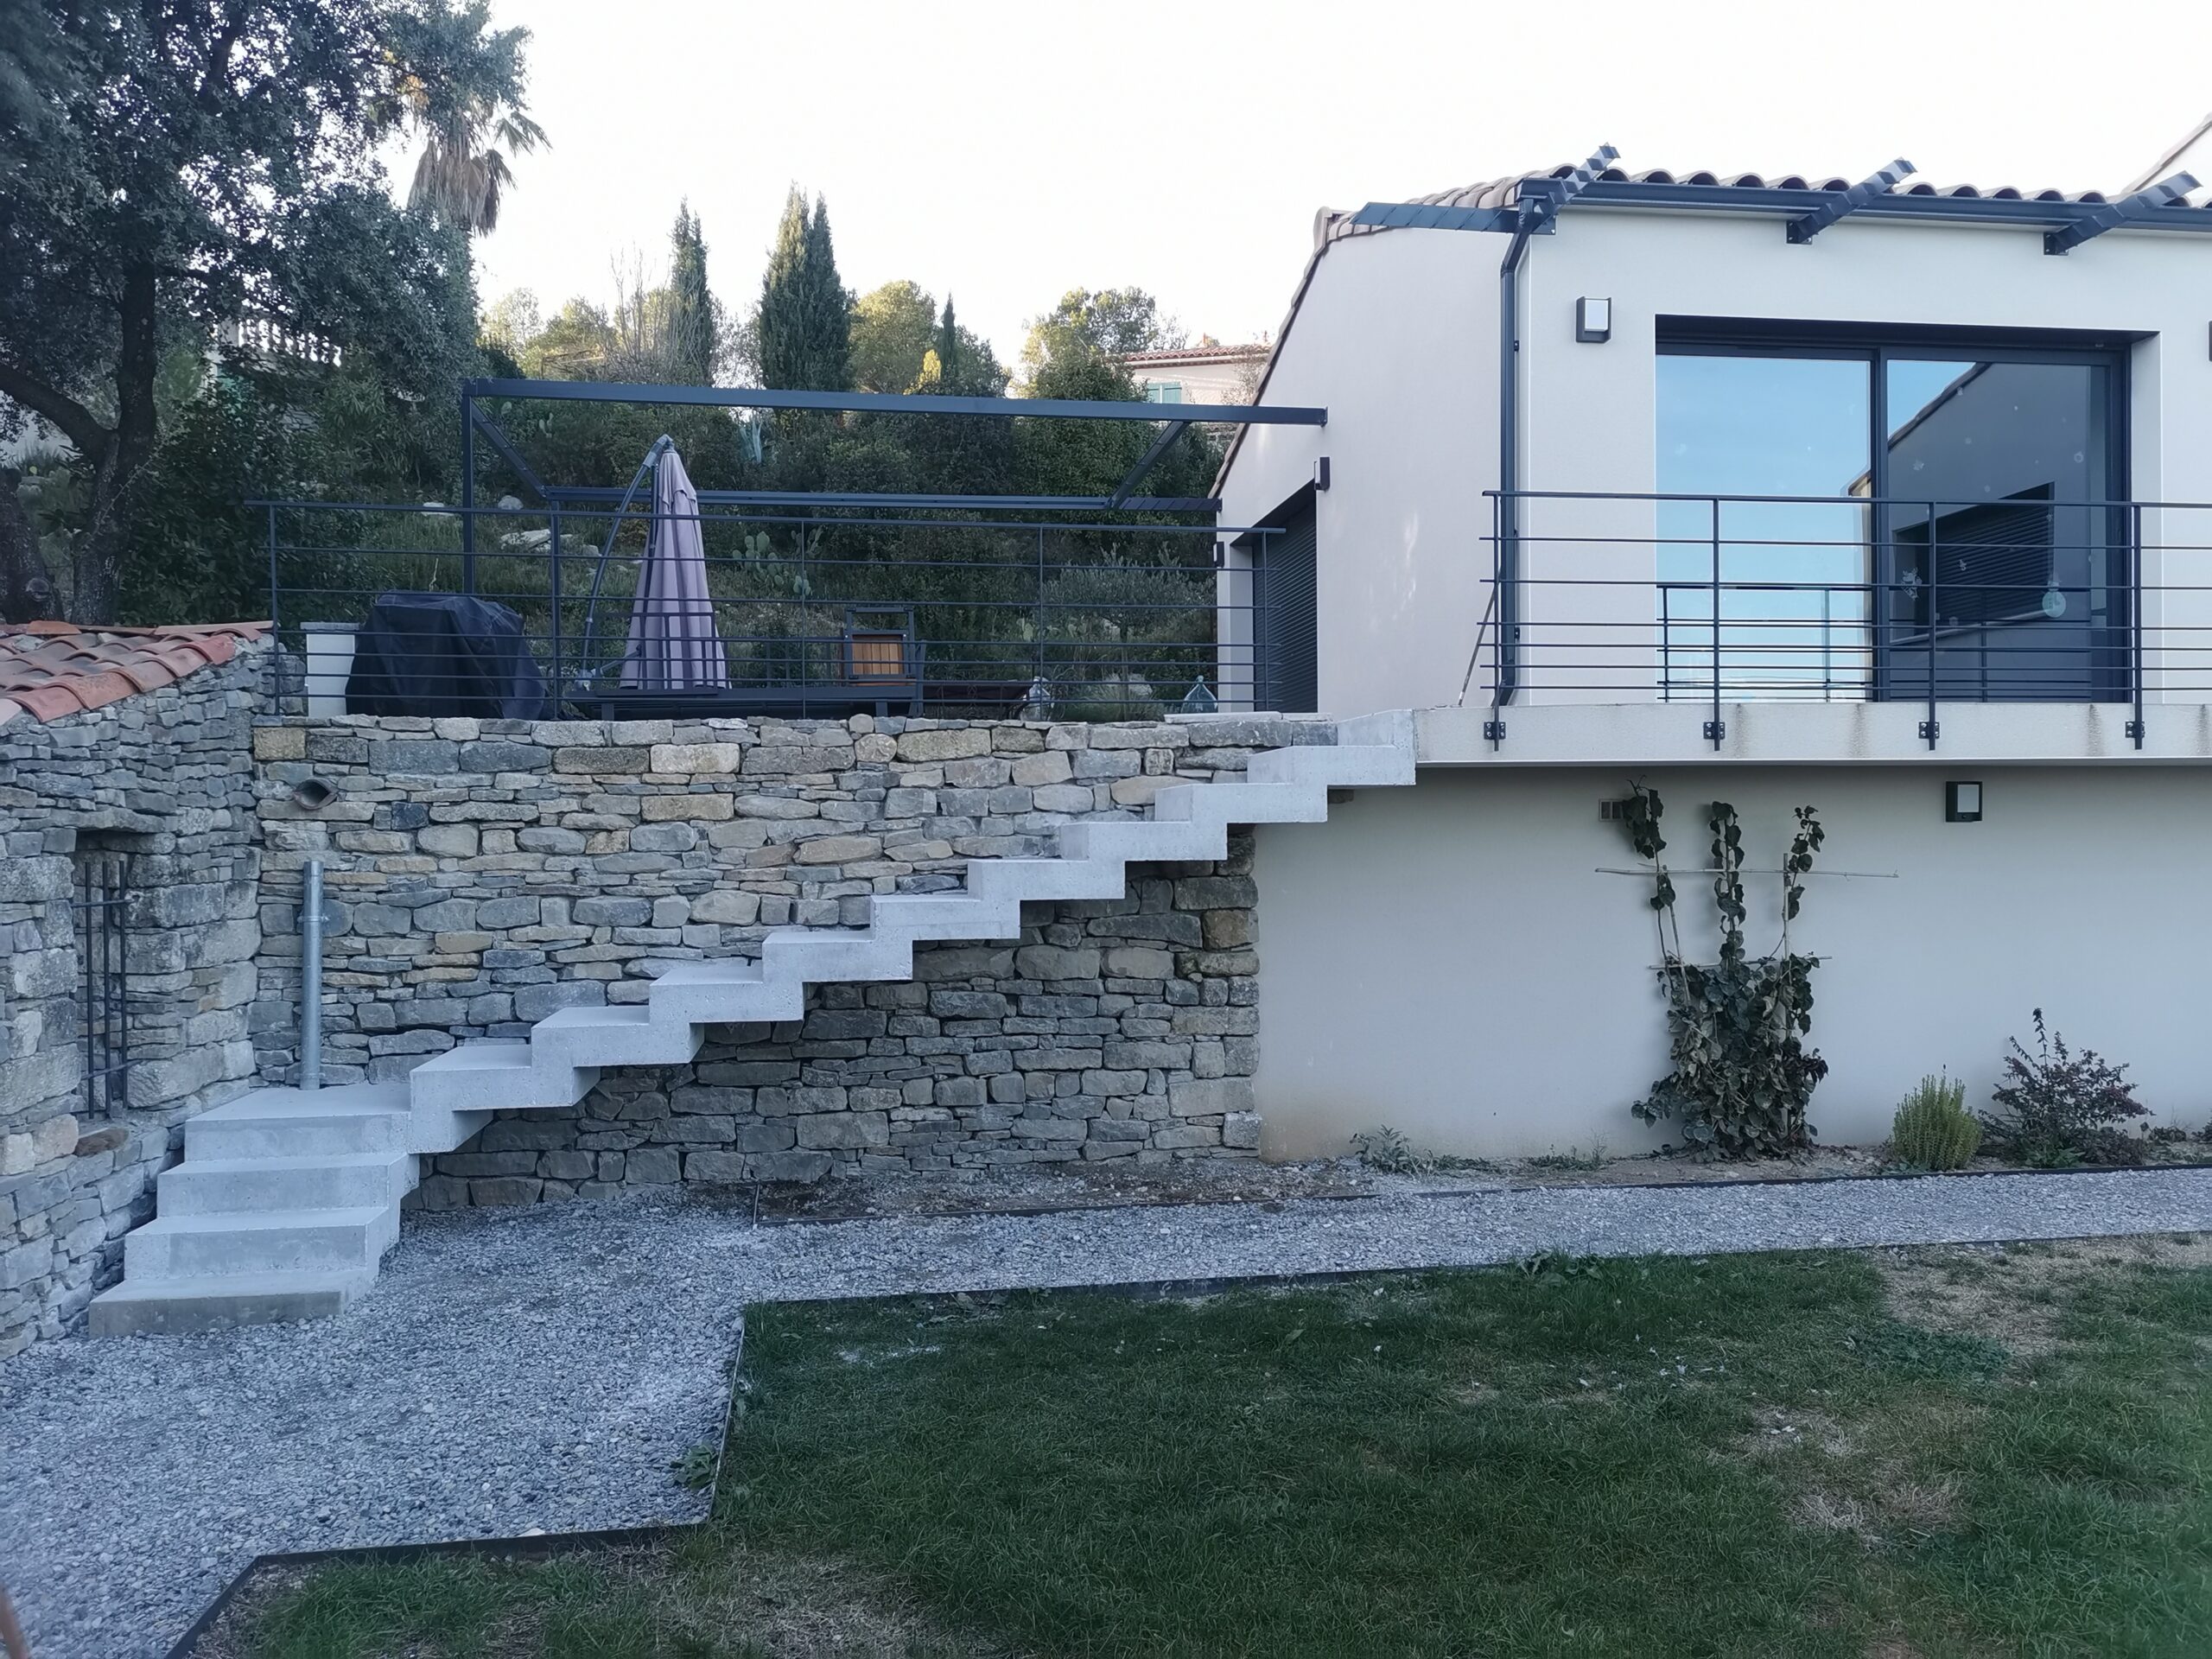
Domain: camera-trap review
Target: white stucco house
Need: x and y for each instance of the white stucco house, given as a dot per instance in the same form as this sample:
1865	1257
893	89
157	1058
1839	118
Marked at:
1206	373
1770	490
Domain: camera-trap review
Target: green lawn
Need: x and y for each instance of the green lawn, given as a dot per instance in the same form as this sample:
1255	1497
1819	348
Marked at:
1940	1453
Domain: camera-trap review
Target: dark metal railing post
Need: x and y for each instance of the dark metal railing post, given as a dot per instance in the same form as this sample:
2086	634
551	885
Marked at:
553	603
1715	728
2135	618
467	493
1928	727
1037	652
276	629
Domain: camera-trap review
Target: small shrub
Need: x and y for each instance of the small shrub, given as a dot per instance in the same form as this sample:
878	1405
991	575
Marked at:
1932	1128
2056	1107
1389	1150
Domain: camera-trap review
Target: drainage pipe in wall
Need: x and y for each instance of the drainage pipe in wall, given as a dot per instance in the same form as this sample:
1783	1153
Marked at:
311	978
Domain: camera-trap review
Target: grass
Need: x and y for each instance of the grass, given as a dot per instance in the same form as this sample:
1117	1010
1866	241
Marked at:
1926	1454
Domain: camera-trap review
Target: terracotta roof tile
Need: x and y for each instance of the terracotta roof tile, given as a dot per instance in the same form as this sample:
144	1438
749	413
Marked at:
52	669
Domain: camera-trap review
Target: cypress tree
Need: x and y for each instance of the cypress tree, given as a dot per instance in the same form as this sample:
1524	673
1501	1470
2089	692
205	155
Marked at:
805	321
692	332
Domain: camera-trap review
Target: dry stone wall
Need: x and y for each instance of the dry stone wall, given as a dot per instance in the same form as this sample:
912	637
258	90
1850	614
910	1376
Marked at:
481	875
163	783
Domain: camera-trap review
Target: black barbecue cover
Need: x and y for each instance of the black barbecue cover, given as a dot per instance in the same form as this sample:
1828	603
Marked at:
443	654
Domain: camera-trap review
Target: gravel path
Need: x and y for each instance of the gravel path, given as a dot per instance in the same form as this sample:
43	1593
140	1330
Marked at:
540	1368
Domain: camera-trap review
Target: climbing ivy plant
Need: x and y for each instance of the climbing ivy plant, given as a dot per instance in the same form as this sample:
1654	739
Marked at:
1743	1076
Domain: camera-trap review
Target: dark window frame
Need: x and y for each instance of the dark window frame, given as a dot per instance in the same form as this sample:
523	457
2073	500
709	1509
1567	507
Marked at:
1878	346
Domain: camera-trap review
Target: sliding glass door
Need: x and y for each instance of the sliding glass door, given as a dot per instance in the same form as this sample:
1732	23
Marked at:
2002	562
1883	522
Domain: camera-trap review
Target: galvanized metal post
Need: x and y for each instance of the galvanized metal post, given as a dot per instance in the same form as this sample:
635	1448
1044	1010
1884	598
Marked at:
311	978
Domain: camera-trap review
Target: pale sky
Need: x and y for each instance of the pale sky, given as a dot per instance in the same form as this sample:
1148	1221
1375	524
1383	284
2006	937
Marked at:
1010	149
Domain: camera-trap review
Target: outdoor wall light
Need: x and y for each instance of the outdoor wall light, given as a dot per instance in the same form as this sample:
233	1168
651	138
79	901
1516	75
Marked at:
1321	473
1594	320
1963	803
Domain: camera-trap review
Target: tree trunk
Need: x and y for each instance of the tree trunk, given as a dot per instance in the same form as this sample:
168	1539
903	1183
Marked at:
27	593
116	475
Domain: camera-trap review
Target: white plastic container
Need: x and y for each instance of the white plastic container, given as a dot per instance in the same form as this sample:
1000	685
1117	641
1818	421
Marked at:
329	652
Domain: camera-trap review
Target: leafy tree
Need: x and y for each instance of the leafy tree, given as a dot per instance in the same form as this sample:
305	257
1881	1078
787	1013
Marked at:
1110	322
893	330
805	325
959	364
39	67
466	113
693	328
197	169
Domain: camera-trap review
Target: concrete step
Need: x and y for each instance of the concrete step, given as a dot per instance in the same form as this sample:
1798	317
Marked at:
1013	879
1226	803
946	916
217	1302
626	1035
1146	841
497	1074
285	1122
1337	765
267	1241
725	991
836	955
206	1186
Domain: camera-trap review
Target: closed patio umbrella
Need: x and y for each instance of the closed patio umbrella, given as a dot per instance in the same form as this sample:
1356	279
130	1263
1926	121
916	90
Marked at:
673	644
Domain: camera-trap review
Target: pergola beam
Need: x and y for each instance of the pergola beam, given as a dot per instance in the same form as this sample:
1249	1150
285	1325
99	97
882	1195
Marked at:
1845	203
884	402
2114	215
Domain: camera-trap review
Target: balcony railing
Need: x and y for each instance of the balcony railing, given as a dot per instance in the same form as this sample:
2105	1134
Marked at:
1709	600
815	613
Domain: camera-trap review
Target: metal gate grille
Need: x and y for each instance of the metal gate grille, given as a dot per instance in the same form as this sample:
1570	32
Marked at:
104	1006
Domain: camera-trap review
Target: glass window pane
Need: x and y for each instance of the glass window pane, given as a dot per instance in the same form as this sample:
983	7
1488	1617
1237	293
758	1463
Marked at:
1792	606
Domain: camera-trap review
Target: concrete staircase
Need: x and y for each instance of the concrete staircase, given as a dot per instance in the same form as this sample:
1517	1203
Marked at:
286	1200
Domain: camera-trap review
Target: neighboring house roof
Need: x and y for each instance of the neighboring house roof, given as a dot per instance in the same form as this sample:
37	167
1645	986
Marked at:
1199	353
1332	224
49	669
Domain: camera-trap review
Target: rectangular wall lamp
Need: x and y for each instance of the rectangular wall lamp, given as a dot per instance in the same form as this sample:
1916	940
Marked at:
1594	320
1963	803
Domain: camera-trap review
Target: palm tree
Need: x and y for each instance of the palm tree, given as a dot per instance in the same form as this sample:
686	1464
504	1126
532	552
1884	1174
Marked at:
466	119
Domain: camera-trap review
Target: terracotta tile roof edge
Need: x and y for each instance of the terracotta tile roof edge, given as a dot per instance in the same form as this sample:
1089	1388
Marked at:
71	668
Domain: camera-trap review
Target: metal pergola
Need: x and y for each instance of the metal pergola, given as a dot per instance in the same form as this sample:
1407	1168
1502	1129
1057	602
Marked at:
1173	420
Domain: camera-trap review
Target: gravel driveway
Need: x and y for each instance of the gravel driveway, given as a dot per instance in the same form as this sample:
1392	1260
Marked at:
540	1368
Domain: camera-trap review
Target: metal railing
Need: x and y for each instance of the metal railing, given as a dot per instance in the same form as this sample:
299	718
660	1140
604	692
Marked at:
814	612
1709	600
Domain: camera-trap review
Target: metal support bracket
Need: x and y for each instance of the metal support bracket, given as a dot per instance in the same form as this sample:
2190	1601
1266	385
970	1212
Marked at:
2135	732
1929	731
1716	732
1803	229
1146	462
1493	732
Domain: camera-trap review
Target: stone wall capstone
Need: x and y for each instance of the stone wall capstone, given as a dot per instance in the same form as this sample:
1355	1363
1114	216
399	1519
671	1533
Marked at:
481	875
162	781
